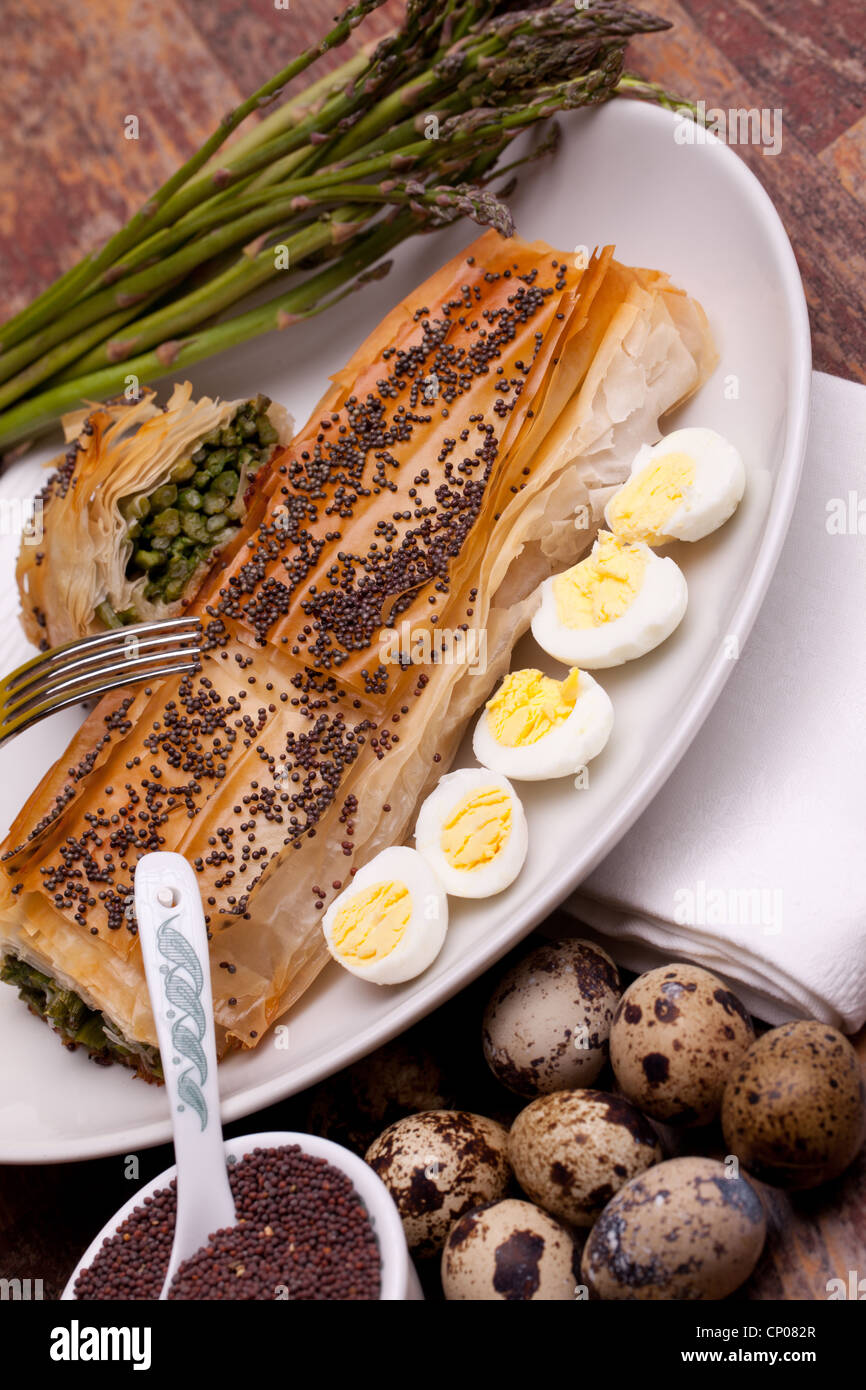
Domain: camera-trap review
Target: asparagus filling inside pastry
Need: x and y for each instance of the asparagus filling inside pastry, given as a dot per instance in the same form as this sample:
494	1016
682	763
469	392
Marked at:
138	508
76	1023
173	529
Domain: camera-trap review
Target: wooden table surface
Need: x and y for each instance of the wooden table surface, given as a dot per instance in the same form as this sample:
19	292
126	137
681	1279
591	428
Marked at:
68	178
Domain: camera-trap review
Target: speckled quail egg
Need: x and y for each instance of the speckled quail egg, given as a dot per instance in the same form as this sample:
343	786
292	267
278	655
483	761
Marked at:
534	726
794	1110
472	831
509	1250
683	1230
436	1165
677	1035
572	1150
547	1024
617	604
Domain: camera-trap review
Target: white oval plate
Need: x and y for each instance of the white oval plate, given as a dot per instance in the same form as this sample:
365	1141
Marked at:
693	210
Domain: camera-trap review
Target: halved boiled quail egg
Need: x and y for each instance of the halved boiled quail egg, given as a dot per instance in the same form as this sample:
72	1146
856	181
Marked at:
681	489
535	727
390	923
618	603
472	831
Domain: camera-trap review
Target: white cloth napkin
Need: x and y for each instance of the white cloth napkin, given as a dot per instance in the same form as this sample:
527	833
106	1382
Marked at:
751	861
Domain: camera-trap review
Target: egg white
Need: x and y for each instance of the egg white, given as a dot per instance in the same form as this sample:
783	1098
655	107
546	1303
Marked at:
425	932
713	497
497	873
657	609
566	749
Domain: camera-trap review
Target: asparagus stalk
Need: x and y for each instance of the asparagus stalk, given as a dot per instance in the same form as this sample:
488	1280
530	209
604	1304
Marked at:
133	289
260	212
316	294
71	349
247	274
634	86
297	108
246	157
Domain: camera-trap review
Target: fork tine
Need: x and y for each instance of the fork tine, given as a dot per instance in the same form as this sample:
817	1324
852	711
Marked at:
42	679
89	681
100	642
83	669
89	667
24	718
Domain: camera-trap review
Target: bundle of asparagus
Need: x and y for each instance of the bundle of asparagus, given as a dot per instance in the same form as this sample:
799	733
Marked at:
404	137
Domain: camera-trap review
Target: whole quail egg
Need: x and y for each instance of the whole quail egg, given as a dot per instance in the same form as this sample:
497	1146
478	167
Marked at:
509	1250
794	1110
436	1165
683	1230
547	1025
677	1035
572	1150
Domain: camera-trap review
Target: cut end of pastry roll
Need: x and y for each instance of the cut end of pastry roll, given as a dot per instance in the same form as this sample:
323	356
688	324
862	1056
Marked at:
140	507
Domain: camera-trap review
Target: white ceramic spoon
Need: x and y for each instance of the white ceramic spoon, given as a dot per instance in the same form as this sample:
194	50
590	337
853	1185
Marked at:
174	947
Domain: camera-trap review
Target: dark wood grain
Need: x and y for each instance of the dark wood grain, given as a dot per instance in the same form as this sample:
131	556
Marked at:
743	56
68	175
68	178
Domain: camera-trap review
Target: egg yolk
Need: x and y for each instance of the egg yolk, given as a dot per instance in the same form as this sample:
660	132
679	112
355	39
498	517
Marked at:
372	922
477	829
529	705
601	587
639	510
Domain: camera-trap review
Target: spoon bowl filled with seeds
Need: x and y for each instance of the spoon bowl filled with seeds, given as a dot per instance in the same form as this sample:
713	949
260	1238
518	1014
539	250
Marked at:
314	1222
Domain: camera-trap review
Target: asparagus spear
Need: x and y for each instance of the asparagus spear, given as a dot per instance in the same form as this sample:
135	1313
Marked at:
144	287
317	293
499	60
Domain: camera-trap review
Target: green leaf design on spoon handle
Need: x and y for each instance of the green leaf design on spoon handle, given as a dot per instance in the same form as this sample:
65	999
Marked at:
182	986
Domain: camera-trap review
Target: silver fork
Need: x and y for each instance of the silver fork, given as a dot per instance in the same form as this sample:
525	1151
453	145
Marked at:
89	667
